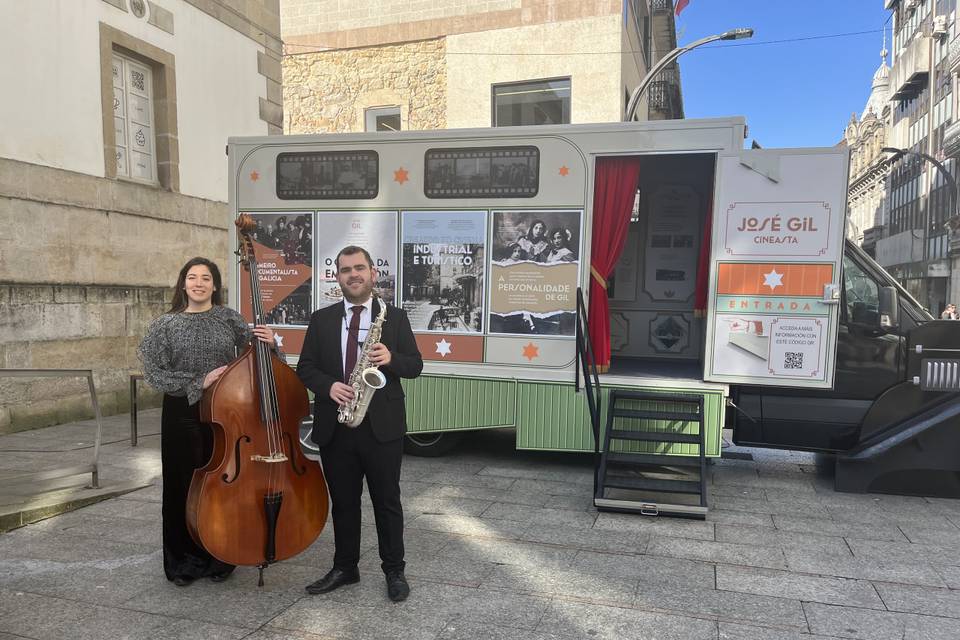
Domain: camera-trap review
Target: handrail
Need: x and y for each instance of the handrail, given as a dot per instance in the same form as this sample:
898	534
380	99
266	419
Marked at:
94	467
588	363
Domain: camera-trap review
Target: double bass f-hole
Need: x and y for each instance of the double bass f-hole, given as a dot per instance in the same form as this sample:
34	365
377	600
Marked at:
236	456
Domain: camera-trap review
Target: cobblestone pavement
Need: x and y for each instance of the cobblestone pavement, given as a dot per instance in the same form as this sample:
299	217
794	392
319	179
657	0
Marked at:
505	544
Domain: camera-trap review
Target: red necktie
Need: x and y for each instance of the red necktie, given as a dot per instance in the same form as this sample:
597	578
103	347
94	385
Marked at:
353	342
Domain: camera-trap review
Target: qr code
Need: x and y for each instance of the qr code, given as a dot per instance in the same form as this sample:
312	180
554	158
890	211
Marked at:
793	360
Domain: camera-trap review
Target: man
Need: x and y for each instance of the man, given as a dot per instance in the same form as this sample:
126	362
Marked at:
373	449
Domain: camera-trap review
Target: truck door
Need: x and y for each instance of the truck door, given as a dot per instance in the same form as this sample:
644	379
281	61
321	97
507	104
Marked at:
777	252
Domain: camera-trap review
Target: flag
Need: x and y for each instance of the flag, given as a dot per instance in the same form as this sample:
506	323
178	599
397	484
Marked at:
681	5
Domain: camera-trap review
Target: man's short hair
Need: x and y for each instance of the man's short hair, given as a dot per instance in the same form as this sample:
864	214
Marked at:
350	250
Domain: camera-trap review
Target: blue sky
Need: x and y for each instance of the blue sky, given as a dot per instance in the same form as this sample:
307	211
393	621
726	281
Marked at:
793	94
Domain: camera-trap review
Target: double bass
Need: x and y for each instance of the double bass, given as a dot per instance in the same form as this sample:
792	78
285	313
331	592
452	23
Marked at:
258	500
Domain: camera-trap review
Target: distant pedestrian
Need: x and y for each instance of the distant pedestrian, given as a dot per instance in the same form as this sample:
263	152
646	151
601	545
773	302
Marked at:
950	313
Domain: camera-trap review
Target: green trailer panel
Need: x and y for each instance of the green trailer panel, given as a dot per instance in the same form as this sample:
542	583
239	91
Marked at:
547	415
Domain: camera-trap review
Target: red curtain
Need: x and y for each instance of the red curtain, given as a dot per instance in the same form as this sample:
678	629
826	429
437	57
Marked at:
614	192
703	268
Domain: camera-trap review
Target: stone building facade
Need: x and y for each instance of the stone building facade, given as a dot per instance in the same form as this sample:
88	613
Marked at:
865	136
440	64
113	174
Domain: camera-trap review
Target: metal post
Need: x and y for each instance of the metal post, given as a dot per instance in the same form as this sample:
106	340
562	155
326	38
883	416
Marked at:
133	409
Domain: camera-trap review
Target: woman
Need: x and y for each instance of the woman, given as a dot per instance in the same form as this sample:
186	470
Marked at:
185	351
559	251
534	241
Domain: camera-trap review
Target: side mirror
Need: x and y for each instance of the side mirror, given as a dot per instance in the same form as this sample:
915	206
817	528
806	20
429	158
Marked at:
889	308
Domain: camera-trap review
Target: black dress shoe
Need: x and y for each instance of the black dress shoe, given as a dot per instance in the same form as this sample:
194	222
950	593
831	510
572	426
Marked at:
397	587
183	581
334	579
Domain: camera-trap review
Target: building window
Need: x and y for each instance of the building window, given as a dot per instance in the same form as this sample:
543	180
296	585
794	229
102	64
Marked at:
382	119
133	123
536	102
138	94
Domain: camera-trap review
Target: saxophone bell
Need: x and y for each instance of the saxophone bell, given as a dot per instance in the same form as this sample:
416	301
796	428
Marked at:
374	378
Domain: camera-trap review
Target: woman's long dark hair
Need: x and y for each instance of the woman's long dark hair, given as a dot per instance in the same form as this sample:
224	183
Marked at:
180	299
533	225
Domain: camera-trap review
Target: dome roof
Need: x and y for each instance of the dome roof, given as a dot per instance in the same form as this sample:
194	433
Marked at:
880	90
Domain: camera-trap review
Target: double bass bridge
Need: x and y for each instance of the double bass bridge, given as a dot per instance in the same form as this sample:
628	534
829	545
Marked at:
273	458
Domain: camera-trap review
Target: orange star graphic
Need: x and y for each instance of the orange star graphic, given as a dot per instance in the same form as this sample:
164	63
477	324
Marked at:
254	176
400	175
564	171
531	351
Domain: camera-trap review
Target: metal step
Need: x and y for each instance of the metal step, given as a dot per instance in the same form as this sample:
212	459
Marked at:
654	436
656	459
650	508
658	485
671	416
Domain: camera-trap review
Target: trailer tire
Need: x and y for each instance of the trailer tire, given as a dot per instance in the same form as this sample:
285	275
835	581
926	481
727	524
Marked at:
430	445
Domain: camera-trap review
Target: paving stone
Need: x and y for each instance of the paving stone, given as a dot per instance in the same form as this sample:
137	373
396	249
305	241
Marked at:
460	604
467	526
569	584
737	491
719	552
726	516
444	506
448	568
523	554
922	600
510	496
341	620
949	575
849	622
575	503
904	552
552	488
673	527
766	506
467	630
555	517
729	605
595	539
878	516
734	631
614	623
808	588
767	536
569	475
647	569
829	527
861	568
949	536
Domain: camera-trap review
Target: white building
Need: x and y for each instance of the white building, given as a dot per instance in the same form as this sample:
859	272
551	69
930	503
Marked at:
113	173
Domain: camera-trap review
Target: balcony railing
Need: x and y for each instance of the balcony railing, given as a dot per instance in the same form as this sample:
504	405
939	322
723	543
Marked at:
661	6
664	93
911	69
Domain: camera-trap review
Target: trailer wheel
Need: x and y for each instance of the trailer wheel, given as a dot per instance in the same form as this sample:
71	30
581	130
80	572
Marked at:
430	445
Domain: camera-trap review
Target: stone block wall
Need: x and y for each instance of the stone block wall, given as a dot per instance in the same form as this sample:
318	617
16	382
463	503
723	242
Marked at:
328	91
85	264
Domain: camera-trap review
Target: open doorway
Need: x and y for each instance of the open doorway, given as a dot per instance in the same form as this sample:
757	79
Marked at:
654	330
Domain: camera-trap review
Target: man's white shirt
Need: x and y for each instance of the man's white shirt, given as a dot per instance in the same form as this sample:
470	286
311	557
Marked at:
365	316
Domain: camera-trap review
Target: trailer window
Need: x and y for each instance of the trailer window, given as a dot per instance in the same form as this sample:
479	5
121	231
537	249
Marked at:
328	175
482	172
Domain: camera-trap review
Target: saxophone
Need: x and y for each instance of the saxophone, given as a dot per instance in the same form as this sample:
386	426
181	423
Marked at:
365	377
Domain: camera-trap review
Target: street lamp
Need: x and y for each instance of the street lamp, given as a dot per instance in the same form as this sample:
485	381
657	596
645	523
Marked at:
899	153
733	34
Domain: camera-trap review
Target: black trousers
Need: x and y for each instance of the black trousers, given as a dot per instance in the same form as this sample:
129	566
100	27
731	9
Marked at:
352	454
185	444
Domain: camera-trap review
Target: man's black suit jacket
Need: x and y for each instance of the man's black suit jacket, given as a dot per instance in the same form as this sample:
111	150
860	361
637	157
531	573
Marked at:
321	364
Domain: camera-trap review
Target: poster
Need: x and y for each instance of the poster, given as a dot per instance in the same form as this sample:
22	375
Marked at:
770	346
283	246
375	231
672	244
534	272
443	269
769	319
